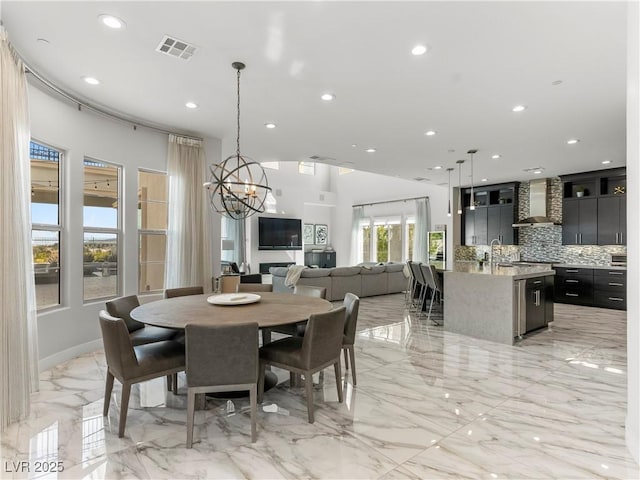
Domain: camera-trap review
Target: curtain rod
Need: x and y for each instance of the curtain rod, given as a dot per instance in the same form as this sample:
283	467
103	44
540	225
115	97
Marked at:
82	104
388	201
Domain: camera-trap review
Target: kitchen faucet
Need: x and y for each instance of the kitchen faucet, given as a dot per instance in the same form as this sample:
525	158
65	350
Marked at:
491	250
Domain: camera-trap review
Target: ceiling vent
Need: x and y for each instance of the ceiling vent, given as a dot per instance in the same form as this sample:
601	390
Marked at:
176	48
322	158
420	179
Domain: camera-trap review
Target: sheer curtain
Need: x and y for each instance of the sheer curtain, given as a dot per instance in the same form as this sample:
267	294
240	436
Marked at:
357	217
421	234
18	322
189	259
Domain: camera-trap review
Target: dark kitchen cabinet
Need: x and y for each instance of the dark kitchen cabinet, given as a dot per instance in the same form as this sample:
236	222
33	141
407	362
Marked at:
493	216
500	223
610	289
580	221
320	259
535	304
475	226
594	208
612	220
574	285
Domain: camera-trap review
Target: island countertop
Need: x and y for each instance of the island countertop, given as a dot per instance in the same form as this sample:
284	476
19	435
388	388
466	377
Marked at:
515	272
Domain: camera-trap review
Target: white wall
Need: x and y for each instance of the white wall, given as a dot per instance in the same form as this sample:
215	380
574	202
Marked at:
363	187
299	196
73	328
633	230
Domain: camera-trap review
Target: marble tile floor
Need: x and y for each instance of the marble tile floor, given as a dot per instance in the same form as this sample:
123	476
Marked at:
428	404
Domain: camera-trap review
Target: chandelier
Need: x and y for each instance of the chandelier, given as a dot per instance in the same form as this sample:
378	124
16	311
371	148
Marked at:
238	186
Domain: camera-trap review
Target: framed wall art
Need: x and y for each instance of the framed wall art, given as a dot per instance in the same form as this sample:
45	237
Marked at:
322	234
308	234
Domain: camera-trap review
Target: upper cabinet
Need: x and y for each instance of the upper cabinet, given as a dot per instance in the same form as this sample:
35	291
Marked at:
493	214
594	208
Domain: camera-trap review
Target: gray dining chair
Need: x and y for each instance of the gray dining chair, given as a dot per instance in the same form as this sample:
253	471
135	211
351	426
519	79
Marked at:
134	364
310	291
352	306
435	284
183	291
140	333
221	359
318	349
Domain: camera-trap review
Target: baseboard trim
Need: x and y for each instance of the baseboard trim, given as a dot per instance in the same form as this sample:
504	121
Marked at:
60	357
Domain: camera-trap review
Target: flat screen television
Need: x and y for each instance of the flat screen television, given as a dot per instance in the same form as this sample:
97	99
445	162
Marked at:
279	233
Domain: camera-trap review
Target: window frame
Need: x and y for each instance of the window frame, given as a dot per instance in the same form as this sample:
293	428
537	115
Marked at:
151	231
58	228
304	165
117	231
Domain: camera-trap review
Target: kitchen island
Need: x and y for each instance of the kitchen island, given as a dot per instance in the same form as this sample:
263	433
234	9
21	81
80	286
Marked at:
499	302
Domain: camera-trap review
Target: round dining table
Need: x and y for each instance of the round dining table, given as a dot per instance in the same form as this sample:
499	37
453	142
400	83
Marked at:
272	310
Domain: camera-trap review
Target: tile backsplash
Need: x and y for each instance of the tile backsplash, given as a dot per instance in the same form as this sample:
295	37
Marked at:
543	243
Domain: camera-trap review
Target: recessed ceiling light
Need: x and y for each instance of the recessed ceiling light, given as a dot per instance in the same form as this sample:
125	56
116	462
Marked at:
270	125
370	150
327	97
191	105
111	21
430	133
438	167
606	162
484	179
519	108
354	145
91	80
419	50
573	141
496	156
537	172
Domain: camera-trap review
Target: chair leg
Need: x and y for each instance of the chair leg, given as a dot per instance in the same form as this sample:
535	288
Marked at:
346	357
174	383
254	411
266	336
308	381
124	406
433	296
261	368
108	388
352	357
336	367
191	407
169	382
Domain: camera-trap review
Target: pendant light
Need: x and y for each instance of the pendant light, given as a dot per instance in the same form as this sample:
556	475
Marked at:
238	186
460	162
472	202
449	191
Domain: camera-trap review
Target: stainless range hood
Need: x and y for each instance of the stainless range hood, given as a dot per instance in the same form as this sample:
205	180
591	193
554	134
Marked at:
537	206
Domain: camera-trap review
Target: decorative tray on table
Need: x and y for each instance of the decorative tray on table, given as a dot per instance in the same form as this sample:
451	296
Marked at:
233	299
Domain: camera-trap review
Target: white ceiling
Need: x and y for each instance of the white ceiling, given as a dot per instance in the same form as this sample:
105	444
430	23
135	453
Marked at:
484	58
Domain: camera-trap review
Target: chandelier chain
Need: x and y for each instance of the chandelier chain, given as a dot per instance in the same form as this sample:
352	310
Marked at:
238	117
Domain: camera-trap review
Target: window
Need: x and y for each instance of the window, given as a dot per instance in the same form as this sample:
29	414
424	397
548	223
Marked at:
152	230
410	228
307	168
386	239
344	170
101	220
46	222
388	246
365	235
